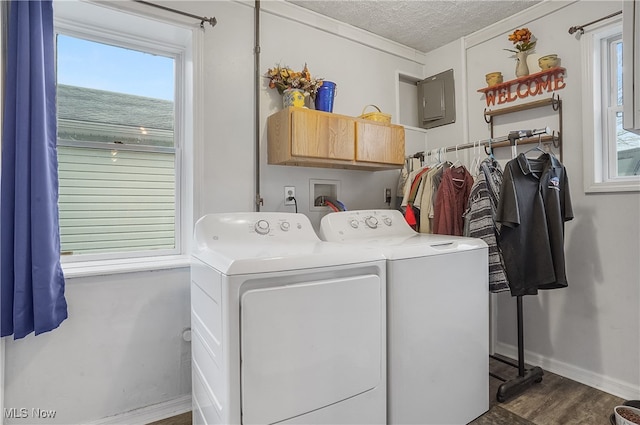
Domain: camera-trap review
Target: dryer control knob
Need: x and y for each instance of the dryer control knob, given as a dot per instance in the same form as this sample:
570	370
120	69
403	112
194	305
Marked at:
372	222
262	227
285	226
387	221
354	224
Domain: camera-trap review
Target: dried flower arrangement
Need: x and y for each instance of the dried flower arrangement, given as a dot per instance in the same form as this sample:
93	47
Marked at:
283	77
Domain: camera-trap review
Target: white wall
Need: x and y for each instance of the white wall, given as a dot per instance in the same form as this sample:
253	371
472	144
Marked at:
589	331
447	57
121	348
364	75
363	66
228	106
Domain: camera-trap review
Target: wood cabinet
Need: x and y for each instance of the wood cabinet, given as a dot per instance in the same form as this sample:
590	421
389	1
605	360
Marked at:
631	64
305	137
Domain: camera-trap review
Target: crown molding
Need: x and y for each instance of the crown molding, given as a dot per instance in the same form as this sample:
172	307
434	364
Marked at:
320	22
519	19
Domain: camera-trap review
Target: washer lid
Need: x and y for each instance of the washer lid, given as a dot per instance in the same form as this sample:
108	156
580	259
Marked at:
244	243
364	224
387	231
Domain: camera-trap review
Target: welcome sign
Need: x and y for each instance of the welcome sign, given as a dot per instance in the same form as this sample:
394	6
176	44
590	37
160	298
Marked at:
543	82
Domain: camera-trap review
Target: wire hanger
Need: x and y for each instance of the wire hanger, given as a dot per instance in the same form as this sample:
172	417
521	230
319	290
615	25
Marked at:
537	147
490	151
435	157
475	162
457	162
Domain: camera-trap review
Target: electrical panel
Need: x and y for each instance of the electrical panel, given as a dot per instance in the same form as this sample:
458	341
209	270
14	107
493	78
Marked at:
436	100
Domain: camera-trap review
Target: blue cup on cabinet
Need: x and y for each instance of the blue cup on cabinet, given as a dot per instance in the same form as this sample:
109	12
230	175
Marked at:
325	95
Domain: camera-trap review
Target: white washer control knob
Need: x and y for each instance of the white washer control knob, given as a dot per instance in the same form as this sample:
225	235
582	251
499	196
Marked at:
262	227
387	221
372	222
354	224
285	226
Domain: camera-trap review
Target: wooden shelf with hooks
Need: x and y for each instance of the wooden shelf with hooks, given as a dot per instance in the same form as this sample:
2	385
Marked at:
552	101
555	139
555	103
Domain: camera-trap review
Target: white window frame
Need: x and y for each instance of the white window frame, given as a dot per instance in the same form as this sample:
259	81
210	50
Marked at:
600	151
128	28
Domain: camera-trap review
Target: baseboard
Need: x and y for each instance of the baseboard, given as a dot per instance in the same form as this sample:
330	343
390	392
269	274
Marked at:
146	415
604	383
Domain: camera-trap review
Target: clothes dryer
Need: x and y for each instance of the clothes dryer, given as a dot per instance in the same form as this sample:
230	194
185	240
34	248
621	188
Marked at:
286	328
437	316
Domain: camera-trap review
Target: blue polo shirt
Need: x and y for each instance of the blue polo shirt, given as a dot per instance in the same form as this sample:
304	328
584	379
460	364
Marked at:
534	204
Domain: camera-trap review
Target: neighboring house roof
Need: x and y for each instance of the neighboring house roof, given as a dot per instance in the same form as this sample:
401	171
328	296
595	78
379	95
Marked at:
99	106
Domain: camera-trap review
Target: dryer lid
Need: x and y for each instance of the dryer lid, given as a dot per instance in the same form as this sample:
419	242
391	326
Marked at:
244	243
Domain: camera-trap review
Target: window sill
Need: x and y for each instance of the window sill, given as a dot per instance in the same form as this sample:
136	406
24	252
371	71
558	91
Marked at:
612	187
129	265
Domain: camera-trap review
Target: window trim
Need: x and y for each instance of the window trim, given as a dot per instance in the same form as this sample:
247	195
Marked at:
595	152
180	44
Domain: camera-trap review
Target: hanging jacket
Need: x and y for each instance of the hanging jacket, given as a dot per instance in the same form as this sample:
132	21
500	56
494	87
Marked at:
480	220
451	201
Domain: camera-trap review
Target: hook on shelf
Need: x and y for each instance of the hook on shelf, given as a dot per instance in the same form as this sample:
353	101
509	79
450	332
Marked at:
556	139
555	103
485	117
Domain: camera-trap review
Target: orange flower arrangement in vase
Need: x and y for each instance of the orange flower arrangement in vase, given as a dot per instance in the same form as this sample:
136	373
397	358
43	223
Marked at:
524	42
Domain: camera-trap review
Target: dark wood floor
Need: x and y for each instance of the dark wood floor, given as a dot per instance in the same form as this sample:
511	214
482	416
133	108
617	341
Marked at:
554	401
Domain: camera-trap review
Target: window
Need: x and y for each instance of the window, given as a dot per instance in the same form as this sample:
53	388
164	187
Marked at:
120	134
622	147
612	155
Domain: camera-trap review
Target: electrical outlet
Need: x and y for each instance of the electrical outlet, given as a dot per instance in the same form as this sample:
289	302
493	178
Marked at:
387	196
289	192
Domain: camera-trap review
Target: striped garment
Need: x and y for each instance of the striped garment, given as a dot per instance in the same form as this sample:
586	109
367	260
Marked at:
480	220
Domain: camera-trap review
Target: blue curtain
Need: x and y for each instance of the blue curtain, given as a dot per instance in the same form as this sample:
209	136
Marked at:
32	283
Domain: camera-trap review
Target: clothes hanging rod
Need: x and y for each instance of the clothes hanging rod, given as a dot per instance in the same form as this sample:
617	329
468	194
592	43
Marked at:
581	27
512	136
211	21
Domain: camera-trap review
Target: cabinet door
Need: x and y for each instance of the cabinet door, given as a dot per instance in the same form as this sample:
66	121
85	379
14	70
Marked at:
381	143
321	135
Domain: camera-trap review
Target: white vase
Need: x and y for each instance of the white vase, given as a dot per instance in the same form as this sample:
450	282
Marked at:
521	64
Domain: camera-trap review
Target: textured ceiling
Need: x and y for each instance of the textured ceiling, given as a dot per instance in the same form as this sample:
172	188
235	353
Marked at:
421	24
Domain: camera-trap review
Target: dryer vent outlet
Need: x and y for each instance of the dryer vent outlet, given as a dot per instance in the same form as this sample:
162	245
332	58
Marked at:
322	188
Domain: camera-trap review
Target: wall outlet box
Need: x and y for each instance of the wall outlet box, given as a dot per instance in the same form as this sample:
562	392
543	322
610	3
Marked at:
289	194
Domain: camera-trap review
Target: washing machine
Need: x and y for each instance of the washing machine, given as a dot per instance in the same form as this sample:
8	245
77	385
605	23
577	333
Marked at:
286	328
437	316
